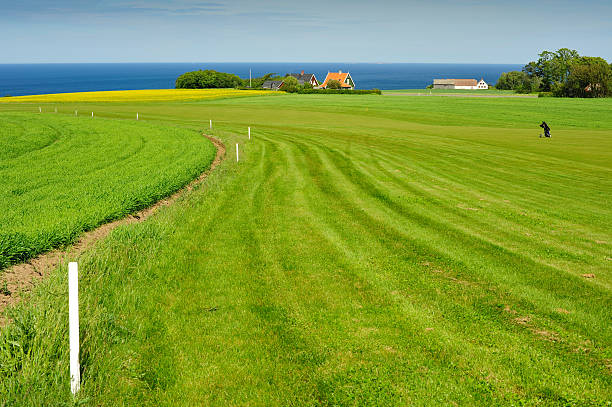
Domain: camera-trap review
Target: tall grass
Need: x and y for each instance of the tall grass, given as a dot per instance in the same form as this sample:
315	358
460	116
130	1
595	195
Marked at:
61	176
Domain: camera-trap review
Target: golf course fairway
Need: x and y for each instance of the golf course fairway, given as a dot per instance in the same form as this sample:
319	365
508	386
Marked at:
364	251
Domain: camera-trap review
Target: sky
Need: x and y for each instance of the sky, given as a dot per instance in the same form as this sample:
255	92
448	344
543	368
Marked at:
382	31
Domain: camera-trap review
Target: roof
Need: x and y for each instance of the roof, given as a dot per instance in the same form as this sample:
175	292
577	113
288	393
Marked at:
466	82
456	82
337	76
272	84
305	77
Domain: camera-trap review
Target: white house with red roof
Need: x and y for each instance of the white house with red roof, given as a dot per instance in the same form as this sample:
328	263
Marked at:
346	82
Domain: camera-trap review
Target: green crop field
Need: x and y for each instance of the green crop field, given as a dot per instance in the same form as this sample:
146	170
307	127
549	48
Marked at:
365	250
61	175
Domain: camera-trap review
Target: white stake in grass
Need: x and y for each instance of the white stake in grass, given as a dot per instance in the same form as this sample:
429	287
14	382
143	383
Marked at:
39	109
73	317
249	133
92	115
136	116
211	124
237	152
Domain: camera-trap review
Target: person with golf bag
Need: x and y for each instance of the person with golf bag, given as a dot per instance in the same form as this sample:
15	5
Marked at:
546	129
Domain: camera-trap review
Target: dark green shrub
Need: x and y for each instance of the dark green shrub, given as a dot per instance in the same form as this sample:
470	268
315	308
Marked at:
207	79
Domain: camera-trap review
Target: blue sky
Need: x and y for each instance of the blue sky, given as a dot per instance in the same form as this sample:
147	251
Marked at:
477	31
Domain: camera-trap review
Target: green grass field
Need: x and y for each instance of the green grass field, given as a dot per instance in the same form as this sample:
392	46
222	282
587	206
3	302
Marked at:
366	250
63	175
450	91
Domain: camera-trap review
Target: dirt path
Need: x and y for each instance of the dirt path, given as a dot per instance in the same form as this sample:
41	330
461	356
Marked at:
22	277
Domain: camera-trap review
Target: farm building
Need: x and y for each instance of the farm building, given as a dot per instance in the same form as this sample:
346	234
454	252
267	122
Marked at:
459	84
274	85
344	78
305	78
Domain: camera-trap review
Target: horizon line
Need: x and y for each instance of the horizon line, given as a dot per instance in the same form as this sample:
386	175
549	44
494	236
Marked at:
259	62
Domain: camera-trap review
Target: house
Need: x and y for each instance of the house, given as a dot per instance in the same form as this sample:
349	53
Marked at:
303	78
482	84
273	85
346	82
459	84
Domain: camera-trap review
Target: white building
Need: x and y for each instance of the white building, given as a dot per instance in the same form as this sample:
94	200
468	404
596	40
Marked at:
460	84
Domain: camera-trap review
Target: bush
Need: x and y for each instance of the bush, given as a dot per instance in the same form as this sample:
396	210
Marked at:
290	84
589	77
207	79
519	82
333	84
545	94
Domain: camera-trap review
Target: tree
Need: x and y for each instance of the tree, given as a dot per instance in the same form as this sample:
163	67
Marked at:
207	79
290	84
552	67
589	77
333	84
518	81
511	80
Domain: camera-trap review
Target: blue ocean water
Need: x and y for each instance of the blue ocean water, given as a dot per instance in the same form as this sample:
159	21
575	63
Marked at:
29	79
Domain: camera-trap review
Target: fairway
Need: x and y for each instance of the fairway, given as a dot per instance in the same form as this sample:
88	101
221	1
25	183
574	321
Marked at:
365	250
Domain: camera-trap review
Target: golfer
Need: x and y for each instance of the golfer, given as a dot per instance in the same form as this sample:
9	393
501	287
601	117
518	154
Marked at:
546	129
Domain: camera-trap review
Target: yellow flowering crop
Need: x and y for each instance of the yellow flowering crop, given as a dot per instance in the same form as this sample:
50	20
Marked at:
149	95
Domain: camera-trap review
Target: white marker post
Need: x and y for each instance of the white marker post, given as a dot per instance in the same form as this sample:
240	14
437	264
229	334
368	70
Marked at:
211	124
73	317
92	115
39	109
249	133
237	152
136	116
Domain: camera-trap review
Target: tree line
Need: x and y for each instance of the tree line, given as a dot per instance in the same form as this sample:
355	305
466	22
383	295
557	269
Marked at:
209	79
563	73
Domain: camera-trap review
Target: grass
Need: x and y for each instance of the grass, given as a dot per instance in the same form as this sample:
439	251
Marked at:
368	250
148	95
477	91
63	175
451	91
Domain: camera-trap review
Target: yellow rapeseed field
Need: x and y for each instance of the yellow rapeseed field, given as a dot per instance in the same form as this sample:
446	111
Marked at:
149	95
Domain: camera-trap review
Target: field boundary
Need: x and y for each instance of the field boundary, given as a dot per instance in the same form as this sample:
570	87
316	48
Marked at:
22	277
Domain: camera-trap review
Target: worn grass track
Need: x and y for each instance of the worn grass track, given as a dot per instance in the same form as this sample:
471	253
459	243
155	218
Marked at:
358	254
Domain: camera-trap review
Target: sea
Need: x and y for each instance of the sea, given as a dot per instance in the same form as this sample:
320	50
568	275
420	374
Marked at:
32	79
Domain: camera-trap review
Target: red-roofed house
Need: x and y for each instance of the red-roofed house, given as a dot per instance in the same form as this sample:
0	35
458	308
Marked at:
343	77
